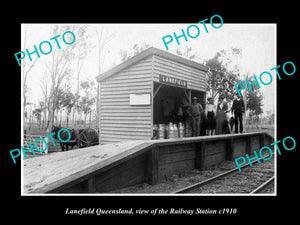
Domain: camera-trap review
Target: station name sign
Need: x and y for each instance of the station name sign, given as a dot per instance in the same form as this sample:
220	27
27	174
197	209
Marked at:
172	81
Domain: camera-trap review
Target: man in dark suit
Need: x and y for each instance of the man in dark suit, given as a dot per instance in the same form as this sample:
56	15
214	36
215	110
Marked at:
238	107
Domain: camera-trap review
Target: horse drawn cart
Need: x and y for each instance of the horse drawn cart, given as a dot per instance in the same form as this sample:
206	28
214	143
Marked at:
87	137
80	137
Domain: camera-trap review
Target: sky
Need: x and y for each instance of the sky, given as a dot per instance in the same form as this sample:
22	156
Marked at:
256	41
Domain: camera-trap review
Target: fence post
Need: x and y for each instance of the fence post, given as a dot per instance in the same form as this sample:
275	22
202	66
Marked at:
46	152
48	143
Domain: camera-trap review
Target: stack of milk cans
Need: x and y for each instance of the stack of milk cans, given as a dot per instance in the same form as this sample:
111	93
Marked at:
170	131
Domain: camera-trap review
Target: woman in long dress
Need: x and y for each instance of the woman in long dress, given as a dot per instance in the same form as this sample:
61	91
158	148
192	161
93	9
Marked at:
221	118
210	112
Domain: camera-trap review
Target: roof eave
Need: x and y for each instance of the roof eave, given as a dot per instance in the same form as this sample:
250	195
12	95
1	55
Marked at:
146	53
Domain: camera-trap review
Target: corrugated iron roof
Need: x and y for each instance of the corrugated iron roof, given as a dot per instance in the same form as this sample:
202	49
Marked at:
146	53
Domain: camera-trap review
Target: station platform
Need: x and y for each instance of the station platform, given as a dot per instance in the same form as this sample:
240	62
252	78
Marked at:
103	168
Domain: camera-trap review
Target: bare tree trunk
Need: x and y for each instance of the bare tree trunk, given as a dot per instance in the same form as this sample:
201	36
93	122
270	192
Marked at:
102	41
90	119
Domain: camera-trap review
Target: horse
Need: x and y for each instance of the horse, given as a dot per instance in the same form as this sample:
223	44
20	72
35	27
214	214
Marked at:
64	136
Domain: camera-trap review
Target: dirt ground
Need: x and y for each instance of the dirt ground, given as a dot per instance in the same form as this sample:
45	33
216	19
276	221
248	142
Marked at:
268	129
243	184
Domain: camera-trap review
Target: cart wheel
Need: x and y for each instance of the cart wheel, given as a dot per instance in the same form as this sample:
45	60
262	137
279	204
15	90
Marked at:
88	137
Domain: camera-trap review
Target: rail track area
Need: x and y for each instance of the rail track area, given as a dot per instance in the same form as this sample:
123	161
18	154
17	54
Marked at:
222	179
251	180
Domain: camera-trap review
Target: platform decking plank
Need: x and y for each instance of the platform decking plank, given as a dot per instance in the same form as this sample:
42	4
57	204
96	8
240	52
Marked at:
41	174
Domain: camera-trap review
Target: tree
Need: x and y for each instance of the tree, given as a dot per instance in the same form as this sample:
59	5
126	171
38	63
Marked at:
88	98
254	102
186	52
82	49
125	55
103	38
26	68
223	74
254	99
270	117
45	90
69	102
37	112
59	66
65	100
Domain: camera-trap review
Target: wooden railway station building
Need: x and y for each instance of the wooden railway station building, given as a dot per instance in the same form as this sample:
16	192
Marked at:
138	93
134	96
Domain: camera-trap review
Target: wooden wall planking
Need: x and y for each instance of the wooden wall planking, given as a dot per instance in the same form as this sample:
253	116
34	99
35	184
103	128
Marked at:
255	143
239	147
179	158
115	109
215	147
128	173
175	168
196	78
176	159
215	153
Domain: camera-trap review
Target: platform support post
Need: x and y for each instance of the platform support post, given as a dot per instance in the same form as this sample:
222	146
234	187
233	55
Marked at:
151	166
91	185
248	145
200	155
262	140
229	149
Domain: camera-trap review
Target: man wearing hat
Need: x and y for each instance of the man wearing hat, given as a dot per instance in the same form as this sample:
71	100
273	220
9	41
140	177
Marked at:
238	107
195	110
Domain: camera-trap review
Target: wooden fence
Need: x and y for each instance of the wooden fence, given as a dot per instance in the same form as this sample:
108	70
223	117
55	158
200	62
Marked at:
31	139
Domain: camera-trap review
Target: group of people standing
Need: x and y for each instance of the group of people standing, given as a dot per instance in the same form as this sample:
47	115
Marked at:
214	119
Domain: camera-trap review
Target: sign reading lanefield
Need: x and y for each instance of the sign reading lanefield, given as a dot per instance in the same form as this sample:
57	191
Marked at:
172	81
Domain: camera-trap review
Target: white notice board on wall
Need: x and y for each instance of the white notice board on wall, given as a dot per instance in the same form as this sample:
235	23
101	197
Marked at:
139	99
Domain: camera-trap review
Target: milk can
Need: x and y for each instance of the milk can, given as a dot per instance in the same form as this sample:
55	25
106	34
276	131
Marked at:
188	129
155	132
161	131
181	130
175	131
170	131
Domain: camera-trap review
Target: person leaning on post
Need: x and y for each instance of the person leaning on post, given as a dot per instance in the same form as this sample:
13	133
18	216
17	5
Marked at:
195	110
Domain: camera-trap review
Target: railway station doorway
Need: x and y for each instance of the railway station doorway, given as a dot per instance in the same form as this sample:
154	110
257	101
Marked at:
170	102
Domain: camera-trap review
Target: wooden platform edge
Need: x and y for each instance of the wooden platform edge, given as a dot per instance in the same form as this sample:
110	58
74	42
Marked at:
150	146
90	172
